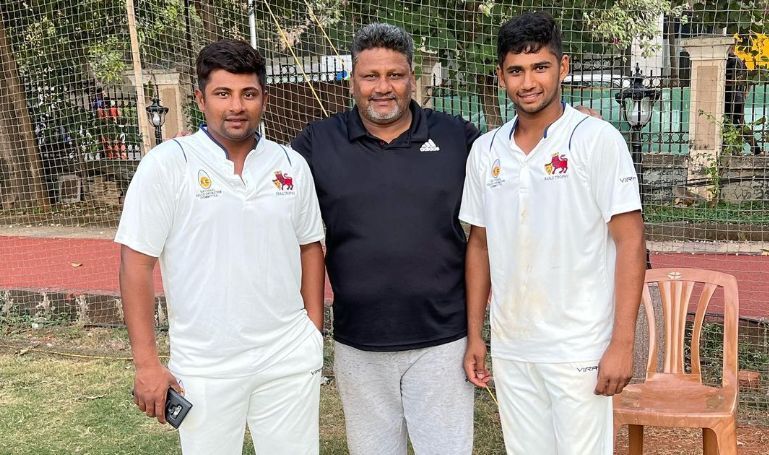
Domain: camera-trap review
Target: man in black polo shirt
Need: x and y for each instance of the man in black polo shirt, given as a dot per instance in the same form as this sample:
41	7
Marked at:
389	179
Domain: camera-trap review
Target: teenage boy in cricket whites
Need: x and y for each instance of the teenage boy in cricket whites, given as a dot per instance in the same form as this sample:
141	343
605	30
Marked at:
556	231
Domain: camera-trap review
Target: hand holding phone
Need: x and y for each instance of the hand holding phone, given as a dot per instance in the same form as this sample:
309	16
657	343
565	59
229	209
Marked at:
177	408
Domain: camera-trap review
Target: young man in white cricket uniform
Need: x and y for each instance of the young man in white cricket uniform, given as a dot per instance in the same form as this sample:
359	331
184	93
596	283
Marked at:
235	222
552	197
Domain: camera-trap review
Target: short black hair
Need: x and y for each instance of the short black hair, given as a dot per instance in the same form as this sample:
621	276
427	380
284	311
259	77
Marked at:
528	33
381	35
233	56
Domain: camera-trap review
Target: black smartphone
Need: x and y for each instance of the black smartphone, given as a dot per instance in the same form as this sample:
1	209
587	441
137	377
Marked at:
177	408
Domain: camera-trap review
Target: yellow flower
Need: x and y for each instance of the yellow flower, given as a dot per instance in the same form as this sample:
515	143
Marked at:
754	52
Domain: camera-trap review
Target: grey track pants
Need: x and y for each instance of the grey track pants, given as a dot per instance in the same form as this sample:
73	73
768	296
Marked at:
419	394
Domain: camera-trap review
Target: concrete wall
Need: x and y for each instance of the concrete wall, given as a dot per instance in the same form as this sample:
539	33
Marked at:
743	178
662	174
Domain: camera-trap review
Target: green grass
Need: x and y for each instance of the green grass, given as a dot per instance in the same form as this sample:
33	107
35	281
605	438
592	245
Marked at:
755	212
55	404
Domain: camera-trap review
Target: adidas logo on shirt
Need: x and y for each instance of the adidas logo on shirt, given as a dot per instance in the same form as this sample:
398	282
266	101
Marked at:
429	146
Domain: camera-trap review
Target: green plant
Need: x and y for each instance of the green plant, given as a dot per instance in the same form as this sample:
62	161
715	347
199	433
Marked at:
753	357
713	171
732	142
193	115
749	212
633	20
750	355
106	60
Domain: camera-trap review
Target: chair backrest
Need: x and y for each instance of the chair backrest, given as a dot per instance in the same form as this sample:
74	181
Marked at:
676	286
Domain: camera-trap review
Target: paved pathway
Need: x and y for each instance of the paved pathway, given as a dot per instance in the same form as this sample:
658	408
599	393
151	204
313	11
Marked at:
63	260
72	264
752	272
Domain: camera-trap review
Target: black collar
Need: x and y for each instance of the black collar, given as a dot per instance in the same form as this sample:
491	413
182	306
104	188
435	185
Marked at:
417	132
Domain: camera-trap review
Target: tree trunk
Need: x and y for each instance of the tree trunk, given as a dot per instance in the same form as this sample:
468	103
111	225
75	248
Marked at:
671	35
207	14
490	100
25	169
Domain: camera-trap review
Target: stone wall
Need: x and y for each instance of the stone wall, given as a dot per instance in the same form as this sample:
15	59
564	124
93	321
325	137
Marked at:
662	175
43	306
743	178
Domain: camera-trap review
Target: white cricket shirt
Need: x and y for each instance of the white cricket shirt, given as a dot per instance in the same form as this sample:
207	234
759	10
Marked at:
228	248
550	252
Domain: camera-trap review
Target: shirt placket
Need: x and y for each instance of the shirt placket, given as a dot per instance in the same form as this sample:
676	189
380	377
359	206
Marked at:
524	219
246	183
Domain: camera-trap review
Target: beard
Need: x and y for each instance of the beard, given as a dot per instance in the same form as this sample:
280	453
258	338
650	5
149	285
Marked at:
384	117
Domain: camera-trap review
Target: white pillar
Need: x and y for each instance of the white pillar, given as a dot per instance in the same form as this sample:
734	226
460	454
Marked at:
706	108
430	72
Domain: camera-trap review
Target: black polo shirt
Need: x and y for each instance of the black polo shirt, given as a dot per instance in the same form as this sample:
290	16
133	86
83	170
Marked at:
395	251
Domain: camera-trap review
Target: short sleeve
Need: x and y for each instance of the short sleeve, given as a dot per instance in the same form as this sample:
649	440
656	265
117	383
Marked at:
471	134
472	210
612	176
308	224
149	206
302	144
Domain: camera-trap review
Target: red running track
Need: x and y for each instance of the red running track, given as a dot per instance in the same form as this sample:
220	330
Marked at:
751	271
65	264
91	266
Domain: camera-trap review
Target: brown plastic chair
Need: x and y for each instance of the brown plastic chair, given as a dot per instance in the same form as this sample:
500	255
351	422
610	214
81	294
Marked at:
672	397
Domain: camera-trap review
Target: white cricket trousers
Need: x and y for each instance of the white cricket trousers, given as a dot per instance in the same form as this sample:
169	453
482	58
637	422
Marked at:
280	406
550	408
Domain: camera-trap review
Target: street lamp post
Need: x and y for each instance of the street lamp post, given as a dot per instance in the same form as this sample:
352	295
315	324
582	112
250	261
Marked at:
637	103
157	116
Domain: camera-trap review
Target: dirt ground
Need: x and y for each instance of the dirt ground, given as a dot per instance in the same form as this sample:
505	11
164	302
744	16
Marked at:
751	440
